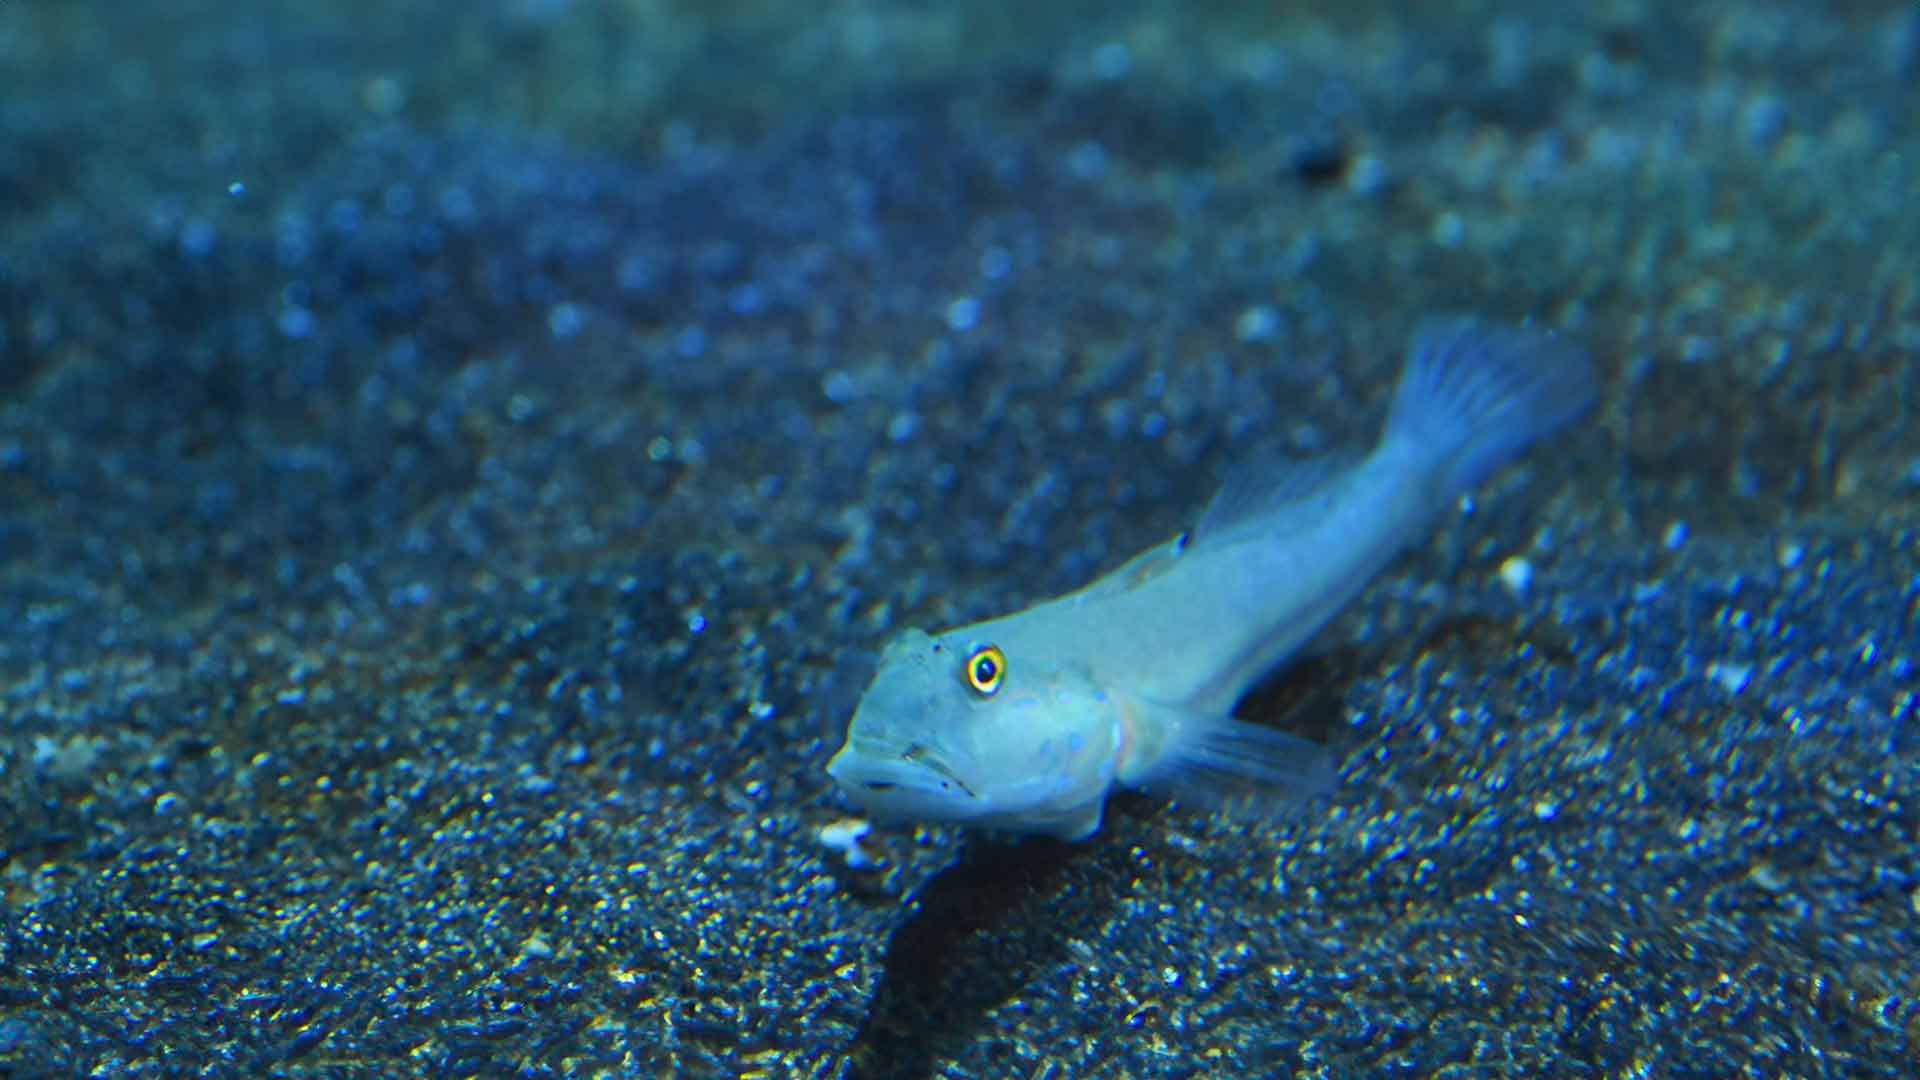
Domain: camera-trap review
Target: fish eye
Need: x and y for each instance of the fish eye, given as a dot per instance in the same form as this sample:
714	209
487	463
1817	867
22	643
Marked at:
986	668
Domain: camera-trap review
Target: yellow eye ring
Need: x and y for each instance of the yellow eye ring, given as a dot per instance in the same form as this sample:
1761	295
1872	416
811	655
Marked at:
986	669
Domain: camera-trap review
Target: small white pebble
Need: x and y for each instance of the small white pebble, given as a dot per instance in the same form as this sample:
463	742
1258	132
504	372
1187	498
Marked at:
71	759
903	425
565	320
1367	175
1732	678
1516	574
848	836
963	314
1257	323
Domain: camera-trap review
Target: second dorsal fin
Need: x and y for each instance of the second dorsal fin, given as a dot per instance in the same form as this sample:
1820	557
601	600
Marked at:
1266	482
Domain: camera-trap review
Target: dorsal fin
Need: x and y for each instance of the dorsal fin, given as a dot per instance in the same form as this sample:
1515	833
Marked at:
1264	483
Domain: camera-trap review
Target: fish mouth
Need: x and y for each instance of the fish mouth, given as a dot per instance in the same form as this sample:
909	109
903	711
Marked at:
921	756
880	770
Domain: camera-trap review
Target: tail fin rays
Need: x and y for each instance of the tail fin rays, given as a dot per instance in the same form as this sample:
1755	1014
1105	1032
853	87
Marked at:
1474	395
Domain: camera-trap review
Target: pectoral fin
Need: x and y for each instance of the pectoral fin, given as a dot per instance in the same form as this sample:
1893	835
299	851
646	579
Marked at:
1068	823
1082	824
1226	765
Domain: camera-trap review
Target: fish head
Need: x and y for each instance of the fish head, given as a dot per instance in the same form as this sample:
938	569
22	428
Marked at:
954	729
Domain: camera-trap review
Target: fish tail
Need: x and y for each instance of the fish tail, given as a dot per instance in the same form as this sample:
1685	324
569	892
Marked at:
1474	395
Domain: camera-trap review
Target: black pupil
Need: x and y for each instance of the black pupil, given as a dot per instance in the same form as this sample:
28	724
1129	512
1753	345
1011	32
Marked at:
984	669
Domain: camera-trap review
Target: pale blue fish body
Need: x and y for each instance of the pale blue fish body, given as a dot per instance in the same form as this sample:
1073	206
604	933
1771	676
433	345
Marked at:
1131	680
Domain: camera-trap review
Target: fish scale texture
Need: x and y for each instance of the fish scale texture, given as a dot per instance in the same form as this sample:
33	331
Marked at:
456	471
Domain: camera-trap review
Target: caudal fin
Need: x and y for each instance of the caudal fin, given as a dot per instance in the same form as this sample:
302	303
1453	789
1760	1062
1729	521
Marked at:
1474	395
